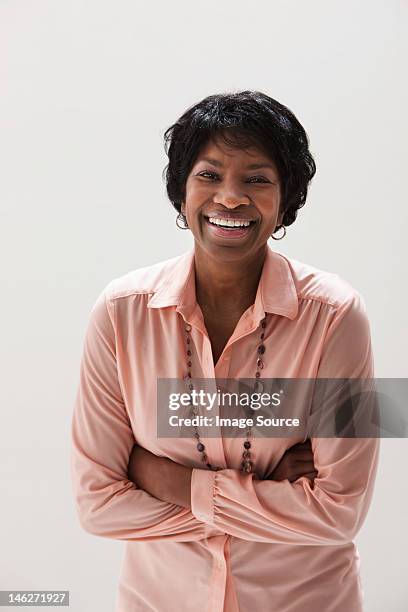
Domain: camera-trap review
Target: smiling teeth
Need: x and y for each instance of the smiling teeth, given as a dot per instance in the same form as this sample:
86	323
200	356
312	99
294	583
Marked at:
228	222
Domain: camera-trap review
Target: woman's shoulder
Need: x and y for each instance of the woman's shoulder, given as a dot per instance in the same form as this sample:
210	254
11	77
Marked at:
142	280
316	283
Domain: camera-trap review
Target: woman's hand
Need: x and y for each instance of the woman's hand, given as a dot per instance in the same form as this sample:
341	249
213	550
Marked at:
161	477
296	462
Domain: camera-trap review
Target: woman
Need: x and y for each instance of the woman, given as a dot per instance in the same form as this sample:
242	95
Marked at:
229	524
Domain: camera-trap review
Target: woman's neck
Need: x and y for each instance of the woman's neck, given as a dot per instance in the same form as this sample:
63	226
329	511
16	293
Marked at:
227	287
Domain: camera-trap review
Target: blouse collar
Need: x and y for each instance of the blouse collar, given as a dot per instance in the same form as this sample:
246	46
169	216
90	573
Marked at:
276	292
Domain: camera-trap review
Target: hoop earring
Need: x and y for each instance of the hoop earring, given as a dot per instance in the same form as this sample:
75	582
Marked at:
283	235
181	217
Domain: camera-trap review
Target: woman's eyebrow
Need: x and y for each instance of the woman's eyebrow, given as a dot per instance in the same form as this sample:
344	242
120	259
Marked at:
257	166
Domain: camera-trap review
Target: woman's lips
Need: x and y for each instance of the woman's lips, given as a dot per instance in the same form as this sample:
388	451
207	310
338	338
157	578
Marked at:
237	232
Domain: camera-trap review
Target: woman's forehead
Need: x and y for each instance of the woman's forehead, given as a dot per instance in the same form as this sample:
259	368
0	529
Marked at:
221	153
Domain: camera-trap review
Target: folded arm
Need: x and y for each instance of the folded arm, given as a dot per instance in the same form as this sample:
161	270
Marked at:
108	503
332	509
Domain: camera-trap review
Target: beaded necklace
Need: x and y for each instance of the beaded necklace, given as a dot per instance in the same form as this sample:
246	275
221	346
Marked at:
247	464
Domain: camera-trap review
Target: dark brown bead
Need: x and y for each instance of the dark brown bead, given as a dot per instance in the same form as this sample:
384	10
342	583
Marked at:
209	465
200	447
263	323
188	340
262	336
257	374
261	349
196	435
204	457
189	364
259	363
189	375
247	444
189	352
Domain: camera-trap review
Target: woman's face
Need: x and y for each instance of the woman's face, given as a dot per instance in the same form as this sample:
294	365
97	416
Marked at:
223	184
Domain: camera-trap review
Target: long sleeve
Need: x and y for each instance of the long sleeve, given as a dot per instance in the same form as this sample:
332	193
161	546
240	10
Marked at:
330	511
108	504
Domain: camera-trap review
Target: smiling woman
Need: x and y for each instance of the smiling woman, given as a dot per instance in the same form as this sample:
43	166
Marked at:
265	133
232	196
231	524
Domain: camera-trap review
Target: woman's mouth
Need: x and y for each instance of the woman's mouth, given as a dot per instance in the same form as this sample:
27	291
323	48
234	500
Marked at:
229	228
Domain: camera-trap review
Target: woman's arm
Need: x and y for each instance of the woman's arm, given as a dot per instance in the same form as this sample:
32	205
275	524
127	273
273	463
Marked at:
161	477
171	482
108	504
333	510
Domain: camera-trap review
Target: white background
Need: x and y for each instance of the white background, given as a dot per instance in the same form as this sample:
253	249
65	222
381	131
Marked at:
87	90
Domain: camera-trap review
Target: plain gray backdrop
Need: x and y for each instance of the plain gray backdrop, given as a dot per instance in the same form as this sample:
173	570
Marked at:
87	89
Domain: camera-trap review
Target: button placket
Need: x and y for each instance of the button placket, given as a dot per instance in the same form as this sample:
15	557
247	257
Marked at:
219	574
223	366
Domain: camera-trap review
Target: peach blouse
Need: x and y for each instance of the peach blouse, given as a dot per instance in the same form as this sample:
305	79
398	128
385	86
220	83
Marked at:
248	543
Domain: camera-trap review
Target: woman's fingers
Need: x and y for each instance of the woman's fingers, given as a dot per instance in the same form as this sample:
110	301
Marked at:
296	462
300	452
305	466
301	455
301	469
310	475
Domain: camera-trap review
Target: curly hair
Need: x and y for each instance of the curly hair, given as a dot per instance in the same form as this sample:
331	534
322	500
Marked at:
240	120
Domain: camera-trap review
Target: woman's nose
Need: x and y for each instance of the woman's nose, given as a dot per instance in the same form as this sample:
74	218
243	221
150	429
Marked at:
232	201
231	196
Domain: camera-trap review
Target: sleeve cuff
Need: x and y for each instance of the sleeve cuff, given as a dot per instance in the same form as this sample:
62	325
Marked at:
202	495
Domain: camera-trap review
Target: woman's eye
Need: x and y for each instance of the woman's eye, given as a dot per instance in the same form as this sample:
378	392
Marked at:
211	173
262	179
257	178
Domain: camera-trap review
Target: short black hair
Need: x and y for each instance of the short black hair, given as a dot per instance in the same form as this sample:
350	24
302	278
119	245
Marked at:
242	119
